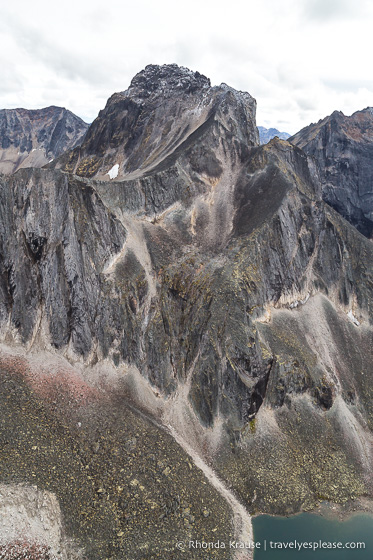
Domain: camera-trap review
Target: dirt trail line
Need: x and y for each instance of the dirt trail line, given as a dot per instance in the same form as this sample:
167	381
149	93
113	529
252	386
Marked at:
242	525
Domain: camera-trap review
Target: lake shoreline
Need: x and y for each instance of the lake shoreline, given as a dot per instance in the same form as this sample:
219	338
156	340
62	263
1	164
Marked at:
331	510
336	534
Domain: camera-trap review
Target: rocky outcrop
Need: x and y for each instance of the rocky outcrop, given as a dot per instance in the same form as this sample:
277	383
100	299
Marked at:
32	138
343	149
31	525
205	296
266	134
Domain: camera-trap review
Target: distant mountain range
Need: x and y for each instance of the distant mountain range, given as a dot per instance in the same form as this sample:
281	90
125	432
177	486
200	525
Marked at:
266	134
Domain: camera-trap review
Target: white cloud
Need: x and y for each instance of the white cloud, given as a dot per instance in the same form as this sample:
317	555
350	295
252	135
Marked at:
332	10
301	59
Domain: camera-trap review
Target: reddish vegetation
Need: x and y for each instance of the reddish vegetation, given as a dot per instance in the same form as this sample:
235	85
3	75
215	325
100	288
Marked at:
56	383
24	550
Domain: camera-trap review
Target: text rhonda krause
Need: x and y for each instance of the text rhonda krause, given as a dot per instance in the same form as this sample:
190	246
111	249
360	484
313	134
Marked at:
294	545
221	544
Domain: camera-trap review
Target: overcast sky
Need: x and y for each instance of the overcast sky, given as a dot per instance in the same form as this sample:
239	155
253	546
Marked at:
300	59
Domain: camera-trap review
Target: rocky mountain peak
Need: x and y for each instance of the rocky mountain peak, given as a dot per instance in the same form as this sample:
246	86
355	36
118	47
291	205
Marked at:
337	115
153	122
32	138
367	111
165	80
342	147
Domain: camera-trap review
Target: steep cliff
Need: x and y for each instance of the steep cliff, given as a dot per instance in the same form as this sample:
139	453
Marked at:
204	309
343	149
32	138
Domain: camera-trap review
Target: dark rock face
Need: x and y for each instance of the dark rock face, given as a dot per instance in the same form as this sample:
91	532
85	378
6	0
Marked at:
31	138
165	80
48	257
212	267
162	112
343	149
266	134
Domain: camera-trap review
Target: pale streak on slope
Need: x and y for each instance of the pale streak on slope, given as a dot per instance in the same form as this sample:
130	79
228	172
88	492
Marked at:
180	420
320	338
216	207
135	242
35	515
242	525
358	438
221	207
192	120
243	532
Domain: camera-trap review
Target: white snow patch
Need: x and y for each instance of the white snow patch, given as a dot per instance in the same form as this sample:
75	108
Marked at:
303	301
352	318
113	171
293	299
297	302
50	160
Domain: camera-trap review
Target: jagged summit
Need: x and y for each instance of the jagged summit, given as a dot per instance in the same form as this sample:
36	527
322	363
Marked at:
160	82
153	120
165	80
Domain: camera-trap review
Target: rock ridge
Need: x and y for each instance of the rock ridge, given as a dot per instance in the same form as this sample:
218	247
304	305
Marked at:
343	150
32	138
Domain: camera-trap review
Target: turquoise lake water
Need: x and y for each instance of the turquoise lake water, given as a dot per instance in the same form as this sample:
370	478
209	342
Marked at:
280	537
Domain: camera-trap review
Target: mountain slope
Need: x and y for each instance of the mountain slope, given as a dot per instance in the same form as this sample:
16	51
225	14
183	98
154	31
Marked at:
32	138
205	300
343	149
